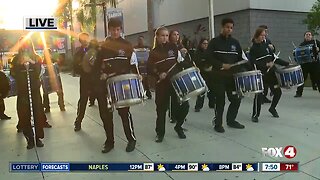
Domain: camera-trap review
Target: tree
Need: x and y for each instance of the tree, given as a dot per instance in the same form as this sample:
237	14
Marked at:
313	17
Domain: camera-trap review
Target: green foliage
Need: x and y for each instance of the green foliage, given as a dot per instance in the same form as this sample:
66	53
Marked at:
313	18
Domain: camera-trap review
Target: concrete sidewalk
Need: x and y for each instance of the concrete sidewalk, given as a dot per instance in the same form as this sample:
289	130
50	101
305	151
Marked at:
298	125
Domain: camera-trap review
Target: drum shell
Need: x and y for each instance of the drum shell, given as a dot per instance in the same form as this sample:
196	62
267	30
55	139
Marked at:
188	83
249	82
125	90
291	76
303	54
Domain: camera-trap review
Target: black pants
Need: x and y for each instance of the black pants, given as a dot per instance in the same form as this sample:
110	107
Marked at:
2	107
85	86
46	100
258	98
314	70
222	86
164	91
210	95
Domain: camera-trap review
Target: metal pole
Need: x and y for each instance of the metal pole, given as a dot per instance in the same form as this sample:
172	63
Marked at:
211	19
105	19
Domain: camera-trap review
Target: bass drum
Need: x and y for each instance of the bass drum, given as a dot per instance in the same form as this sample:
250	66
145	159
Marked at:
4	85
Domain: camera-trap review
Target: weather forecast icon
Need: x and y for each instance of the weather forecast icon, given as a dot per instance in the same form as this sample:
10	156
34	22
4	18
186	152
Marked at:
249	167
205	167
161	168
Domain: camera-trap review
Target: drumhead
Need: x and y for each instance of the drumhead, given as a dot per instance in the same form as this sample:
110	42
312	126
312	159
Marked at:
246	73
186	71
122	77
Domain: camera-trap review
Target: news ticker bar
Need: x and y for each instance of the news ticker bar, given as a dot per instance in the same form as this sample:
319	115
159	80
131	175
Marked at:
154	167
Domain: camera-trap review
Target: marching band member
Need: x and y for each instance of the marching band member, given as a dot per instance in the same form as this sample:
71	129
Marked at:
93	46
162	59
312	68
46	100
200	59
85	79
115	58
223	51
263	57
28	60
4	89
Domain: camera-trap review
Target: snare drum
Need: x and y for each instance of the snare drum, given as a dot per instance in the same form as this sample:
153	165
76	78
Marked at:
303	54
142	57
125	90
249	82
188	83
50	82
290	76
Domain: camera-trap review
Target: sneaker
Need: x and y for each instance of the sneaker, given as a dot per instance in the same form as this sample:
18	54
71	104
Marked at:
77	127
219	129
107	148
255	119
148	94
39	143
274	113
159	139
62	109
298	95
236	125
180	133
196	110
91	104
131	146
30	143
47	125
4	117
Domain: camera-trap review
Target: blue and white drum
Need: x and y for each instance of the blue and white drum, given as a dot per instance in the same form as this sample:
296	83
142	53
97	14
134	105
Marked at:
188	83
50	79
303	54
249	82
290	76
142	57
125	90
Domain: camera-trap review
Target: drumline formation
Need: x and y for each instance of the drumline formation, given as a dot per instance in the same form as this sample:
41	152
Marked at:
118	86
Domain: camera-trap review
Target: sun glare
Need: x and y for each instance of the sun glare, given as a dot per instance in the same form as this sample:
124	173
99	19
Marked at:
13	11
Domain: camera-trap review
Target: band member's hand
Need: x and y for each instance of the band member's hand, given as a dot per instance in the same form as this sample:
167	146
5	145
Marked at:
270	64
163	75
208	69
317	49
226	66
271	46
103	76
140	77
183	52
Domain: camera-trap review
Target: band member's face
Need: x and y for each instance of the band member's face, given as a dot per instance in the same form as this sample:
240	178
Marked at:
163	37
227	29
262	36
84	40
140	40
308	36
175	37
204	44
115	32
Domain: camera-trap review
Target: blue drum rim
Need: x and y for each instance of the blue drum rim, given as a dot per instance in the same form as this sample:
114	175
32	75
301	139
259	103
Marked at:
254	72
127	103
122	77
193	94
184	72
289	69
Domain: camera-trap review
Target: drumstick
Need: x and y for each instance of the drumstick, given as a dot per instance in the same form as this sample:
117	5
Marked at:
293	44
275	58
237	63
168	71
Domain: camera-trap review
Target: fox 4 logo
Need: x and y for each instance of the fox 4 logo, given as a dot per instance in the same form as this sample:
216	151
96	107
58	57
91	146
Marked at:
278	152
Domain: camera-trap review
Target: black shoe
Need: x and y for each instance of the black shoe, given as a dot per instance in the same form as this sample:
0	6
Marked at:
148	94
19	130
131	146
196	110
255	119
62	109
180	133
274	113
77	127
219	129
266	100
47	110
172	120
314	88
236	125
298	95
39	143
47	125
107	148
159	139
4	117
30	142
91	104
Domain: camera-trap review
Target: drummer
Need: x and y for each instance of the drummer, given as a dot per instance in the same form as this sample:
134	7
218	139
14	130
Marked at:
263	58
162	59
312	68
115	58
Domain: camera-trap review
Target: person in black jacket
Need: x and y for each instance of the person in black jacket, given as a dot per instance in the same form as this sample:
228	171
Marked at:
200	58
164	60
312	68
223	51
263	58
85	79
4	89
115	58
